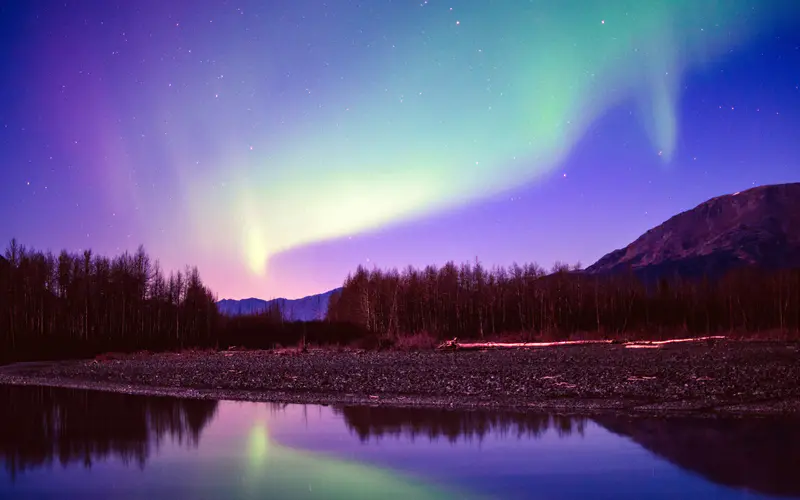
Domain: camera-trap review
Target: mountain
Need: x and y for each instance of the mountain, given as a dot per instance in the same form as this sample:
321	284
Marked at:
759	227
313	307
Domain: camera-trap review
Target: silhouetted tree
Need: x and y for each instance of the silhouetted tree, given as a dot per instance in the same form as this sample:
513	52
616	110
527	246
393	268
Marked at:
83	304
469	301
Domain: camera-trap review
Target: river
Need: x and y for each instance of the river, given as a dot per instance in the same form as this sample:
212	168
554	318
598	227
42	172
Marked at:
62	443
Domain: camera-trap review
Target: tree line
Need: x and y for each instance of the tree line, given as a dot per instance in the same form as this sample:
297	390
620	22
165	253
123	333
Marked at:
470	301
81	304
78	304
74	305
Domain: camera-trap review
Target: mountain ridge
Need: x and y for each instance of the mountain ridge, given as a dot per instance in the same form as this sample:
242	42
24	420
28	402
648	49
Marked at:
309	308
758	227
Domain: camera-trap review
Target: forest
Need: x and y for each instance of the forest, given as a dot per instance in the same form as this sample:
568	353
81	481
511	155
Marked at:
470	301
78	305
74	305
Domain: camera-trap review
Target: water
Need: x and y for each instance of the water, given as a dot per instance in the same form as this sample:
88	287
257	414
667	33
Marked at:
57	443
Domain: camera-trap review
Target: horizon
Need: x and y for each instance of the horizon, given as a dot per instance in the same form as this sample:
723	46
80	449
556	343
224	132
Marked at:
278	147
279	298
584	266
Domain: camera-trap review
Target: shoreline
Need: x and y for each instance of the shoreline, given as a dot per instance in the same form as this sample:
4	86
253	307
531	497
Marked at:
579	407
727	378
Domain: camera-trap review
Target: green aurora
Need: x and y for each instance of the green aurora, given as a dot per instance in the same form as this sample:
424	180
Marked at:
460	105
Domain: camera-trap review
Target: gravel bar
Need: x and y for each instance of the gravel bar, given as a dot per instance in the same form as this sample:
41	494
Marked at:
704	378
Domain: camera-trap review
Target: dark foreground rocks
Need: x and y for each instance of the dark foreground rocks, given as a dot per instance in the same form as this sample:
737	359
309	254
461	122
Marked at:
698	378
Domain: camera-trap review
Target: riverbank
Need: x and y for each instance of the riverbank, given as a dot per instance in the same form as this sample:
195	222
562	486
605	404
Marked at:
713	377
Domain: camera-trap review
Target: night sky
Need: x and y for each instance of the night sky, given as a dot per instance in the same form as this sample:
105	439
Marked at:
278	144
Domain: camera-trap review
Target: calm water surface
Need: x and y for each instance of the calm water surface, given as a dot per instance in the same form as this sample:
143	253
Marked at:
57	443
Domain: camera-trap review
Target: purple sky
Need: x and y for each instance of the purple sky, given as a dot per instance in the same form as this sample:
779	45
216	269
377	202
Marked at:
277	145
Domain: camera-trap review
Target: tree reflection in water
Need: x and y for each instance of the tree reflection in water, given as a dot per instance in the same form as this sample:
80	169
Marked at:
40	425
377	422
757	454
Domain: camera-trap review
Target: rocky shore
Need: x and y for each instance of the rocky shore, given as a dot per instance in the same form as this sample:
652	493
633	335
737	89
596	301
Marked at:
705	378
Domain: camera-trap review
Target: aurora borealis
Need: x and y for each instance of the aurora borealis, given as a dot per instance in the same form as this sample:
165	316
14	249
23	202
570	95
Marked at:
277	145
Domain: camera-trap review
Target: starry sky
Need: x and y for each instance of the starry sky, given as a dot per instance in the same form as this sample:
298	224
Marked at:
277	145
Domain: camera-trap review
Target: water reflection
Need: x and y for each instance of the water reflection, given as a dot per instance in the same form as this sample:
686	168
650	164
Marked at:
41	424
756	454
410	423
205	449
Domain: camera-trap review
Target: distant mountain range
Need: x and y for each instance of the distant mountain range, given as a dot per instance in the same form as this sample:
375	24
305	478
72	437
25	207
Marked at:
759	227
313	307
